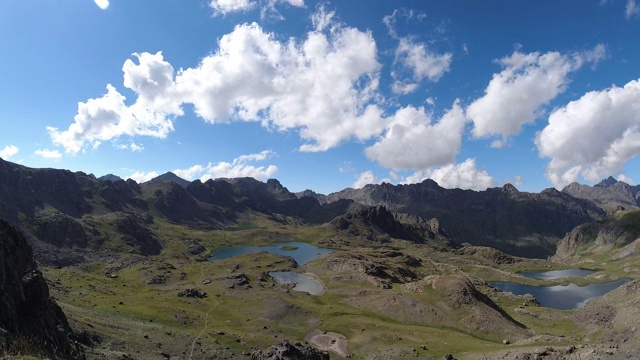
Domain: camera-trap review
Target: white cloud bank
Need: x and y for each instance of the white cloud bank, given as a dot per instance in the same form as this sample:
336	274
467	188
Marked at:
8	151
593	136
464	176
322	86
412	141
420	63
516	95
48	154
239	167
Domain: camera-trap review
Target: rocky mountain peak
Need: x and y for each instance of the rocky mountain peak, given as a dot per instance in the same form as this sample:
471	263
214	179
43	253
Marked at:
607	182
170	177
509	188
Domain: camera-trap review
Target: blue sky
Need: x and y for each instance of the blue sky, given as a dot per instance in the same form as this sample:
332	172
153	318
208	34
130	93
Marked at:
325	95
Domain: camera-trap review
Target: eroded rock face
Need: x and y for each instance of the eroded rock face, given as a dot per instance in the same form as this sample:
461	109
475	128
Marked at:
27	309
287	351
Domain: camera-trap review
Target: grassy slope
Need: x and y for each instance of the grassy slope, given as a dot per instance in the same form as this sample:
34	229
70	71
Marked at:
147	320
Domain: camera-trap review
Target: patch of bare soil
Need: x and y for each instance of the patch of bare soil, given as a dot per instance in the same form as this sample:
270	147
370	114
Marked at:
328	341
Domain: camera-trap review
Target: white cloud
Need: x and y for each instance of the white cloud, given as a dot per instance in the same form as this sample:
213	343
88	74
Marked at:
108	117
8	152
364	178
411	140
102	4
516	181
322	86
625	178
132	146
239	167
321	18
346	166
593	136
141	177
516	95
48	154
223	7
632	9
420	63
464	176
267	7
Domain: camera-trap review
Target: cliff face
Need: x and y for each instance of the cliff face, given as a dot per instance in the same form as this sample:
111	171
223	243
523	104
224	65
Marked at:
27	309
609	194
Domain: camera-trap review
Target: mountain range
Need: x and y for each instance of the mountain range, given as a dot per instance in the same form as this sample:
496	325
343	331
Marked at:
75	210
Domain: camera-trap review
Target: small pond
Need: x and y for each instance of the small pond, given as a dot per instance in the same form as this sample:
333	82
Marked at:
556	274
301	252
560	296
302	283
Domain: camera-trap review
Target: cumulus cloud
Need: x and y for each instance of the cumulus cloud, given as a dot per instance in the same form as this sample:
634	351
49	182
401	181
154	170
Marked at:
141	177
48	154
414	62
323	86
239	167
132	146
267	7
322	18
516	95
8	151
464	176
593	136
102	4
108	117
626	179
412	141
632	9
364	178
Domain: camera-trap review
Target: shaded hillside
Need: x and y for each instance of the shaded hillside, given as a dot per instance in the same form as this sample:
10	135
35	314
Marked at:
621	233
376	223
519	223
608	194
76	211
27	309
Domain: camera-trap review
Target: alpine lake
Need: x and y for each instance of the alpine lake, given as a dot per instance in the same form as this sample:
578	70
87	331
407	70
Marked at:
562	297
301	252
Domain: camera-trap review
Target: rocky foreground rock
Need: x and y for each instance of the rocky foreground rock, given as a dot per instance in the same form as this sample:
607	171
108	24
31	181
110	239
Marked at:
288	351
27	310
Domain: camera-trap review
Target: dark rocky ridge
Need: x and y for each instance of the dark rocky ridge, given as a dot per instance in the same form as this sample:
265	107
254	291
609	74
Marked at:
27	309
610	194
376	223
519	223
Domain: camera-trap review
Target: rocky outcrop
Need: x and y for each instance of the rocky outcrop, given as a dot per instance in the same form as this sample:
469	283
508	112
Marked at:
27	309
288	351
475	311
493	256
168	178
600	236
518	223
134	232
376	223
381	267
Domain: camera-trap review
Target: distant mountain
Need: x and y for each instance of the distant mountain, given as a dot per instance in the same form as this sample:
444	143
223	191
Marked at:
609	194
519	223
322	199
169	177
70	210
109	177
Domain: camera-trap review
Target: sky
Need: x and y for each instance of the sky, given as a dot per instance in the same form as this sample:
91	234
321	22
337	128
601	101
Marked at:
325	95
